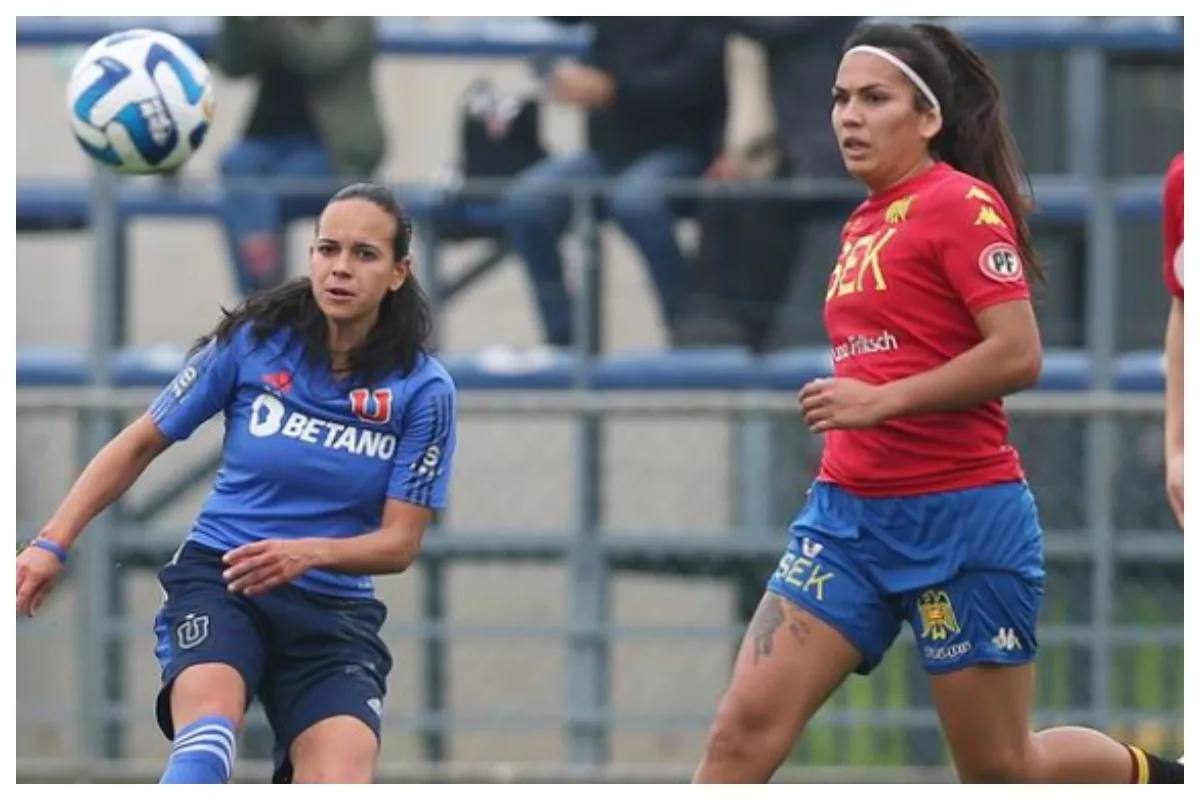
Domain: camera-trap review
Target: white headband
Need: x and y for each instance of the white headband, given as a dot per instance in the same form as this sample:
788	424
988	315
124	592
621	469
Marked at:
908	71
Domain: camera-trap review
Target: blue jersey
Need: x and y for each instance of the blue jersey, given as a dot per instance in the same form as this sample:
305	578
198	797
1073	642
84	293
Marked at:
306	454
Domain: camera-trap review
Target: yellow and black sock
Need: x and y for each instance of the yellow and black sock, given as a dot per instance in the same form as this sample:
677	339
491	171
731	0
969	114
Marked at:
1149	768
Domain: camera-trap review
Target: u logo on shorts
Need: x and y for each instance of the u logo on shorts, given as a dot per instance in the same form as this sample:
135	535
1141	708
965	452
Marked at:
192	631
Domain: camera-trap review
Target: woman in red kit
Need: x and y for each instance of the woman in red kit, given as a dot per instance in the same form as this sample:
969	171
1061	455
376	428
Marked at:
921	511
1173	275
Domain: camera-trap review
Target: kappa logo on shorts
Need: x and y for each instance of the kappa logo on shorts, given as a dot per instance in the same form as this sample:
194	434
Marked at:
192	631
938	620
1006	639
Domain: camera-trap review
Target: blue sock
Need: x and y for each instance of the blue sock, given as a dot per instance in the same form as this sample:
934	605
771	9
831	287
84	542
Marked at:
202	752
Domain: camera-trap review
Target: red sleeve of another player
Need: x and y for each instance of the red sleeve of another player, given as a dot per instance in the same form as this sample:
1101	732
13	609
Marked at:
1173	228
977	248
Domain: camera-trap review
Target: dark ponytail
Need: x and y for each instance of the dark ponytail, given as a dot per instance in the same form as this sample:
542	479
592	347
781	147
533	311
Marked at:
400	335
975	138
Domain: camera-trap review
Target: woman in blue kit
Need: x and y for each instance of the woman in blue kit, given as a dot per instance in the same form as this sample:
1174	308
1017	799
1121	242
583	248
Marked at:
339	441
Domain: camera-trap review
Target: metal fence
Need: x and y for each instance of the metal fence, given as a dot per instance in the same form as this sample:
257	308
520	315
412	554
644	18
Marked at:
576	613
581	605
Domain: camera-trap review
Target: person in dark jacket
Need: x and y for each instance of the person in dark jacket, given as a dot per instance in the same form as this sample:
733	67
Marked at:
315	116
655	96
750	247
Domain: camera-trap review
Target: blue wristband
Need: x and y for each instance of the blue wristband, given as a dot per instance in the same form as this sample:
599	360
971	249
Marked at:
50	547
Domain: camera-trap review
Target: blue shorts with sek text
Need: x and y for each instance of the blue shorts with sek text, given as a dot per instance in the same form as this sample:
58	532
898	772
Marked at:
964	568
306	656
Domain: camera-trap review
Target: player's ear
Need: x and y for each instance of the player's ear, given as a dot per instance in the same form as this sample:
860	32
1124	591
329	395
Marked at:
400	272
929	123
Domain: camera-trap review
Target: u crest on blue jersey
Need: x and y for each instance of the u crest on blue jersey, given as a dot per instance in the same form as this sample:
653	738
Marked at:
372	406
192	631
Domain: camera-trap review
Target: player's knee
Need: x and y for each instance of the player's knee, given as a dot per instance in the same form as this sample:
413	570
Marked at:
998	764
746	728
335	771
207	690
335	750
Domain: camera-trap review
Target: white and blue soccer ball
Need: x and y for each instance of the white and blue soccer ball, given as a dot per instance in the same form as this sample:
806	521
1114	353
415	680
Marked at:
140	101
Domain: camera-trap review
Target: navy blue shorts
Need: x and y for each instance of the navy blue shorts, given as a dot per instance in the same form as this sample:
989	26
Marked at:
964	568
306	657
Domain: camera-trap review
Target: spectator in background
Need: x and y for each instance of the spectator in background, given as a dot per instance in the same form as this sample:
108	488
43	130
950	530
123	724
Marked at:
315	116
654	93
750	246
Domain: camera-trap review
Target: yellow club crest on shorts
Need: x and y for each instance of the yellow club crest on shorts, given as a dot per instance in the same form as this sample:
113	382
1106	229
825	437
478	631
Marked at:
937	615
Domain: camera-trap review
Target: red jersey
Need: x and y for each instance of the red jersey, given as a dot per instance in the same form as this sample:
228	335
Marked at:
916	263
1173	227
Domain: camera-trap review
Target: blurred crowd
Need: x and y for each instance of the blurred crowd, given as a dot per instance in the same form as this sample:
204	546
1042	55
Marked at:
659	106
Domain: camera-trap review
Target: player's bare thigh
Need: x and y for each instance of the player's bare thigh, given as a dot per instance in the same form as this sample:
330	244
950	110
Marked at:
985	713
789	663
340	749
207	690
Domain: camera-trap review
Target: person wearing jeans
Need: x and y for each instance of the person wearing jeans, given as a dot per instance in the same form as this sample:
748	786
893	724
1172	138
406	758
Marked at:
254	219
537	216
655	96
315	116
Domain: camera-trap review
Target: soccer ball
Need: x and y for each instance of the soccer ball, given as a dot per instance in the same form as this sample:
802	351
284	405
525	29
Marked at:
140	101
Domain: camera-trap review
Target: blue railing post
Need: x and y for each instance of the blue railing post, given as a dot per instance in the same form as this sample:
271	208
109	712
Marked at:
101	667
1086	96
588	681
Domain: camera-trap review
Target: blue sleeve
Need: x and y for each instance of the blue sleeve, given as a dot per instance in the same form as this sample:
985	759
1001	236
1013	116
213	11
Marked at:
425	454
205	386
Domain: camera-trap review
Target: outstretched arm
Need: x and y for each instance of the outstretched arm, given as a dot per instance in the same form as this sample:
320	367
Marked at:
105	479
109	475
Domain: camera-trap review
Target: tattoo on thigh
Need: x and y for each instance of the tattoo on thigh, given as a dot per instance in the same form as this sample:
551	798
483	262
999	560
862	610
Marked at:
772	613
766	621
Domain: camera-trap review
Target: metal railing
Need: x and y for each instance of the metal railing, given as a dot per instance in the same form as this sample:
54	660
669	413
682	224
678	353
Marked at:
594	554
1124	661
